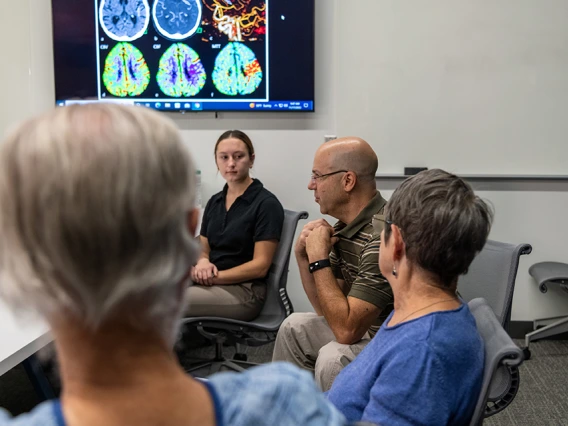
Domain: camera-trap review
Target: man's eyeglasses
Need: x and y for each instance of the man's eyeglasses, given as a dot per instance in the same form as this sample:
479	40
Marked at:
316	177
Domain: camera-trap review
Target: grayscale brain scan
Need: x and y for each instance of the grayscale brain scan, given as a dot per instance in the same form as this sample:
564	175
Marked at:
124	20
177	19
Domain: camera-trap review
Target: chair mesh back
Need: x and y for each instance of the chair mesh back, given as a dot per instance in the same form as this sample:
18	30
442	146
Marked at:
492	276
276	296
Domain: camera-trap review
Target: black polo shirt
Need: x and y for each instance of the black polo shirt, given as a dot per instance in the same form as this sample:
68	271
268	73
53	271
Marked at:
257	215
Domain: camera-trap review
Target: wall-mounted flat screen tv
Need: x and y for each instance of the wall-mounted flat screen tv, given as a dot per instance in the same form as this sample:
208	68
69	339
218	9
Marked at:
186	55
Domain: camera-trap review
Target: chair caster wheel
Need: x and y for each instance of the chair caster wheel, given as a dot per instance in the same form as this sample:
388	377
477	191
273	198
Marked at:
240	357
526	354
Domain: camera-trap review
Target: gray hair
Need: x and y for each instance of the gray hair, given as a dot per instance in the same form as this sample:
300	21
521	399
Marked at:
443	223
94	220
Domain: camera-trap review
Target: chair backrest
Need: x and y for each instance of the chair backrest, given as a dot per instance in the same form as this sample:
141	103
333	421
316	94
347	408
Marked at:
501	356
492	276
277	301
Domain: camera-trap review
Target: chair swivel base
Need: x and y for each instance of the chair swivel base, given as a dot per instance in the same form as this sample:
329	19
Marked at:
550	330
216	365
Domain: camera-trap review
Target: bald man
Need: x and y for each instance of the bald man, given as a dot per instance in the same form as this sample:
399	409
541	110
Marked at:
339	265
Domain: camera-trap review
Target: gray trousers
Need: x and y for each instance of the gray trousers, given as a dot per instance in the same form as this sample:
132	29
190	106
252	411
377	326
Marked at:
306	340
236	301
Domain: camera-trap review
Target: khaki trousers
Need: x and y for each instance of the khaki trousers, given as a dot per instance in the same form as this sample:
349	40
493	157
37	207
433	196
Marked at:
237	301
306	340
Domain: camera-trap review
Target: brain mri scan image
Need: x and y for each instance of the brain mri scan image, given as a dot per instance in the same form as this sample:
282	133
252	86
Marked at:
124	20
237	71
181	72
177	19
126	72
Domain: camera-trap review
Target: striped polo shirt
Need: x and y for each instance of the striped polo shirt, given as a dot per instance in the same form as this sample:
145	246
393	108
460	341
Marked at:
355	259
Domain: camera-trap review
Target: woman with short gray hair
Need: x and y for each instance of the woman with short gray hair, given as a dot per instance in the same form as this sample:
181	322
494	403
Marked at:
425	364
96	236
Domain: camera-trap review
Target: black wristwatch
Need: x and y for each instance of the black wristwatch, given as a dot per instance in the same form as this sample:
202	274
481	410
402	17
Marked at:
319	264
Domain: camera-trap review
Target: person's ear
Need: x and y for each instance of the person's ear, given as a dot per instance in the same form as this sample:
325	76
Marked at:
349	181
399	247
192	220
252	157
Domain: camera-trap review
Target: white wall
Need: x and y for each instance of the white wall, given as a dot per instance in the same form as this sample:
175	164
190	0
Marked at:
27	61
15	66
285	143
473	86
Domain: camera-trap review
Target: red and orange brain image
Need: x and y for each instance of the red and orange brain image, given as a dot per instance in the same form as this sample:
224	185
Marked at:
239	20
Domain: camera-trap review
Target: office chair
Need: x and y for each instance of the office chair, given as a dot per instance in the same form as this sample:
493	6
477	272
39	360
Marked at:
492	275
502	359
545	274
277	307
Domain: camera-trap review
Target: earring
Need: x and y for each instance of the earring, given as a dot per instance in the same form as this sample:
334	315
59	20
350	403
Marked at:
394	271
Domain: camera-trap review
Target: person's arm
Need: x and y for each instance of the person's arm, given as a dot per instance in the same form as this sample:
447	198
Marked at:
205	248
309	283
257	268
303	263
348	317
204	271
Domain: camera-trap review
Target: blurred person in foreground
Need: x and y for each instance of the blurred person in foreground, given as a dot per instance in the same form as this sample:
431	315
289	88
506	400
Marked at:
96	231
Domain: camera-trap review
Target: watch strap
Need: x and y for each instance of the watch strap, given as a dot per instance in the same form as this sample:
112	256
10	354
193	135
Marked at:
319	264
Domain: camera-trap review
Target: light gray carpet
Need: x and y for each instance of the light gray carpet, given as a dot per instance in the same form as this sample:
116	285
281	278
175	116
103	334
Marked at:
542	398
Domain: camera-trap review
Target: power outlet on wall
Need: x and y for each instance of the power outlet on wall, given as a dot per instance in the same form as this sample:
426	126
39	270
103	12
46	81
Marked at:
327	138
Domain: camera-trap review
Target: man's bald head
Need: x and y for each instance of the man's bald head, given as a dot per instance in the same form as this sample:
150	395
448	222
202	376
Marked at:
351	153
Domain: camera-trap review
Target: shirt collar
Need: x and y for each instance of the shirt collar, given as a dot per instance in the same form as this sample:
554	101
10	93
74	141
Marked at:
363	218
250	193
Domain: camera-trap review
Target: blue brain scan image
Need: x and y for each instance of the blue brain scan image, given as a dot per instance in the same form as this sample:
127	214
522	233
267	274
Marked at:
177	19
124	20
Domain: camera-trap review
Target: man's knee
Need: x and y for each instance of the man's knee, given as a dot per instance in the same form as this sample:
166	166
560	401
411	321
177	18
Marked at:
288	345
332	354
331	360
295	324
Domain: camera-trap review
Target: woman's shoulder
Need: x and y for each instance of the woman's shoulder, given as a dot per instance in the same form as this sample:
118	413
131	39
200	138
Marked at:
45	414
454	332
290	392
267	197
